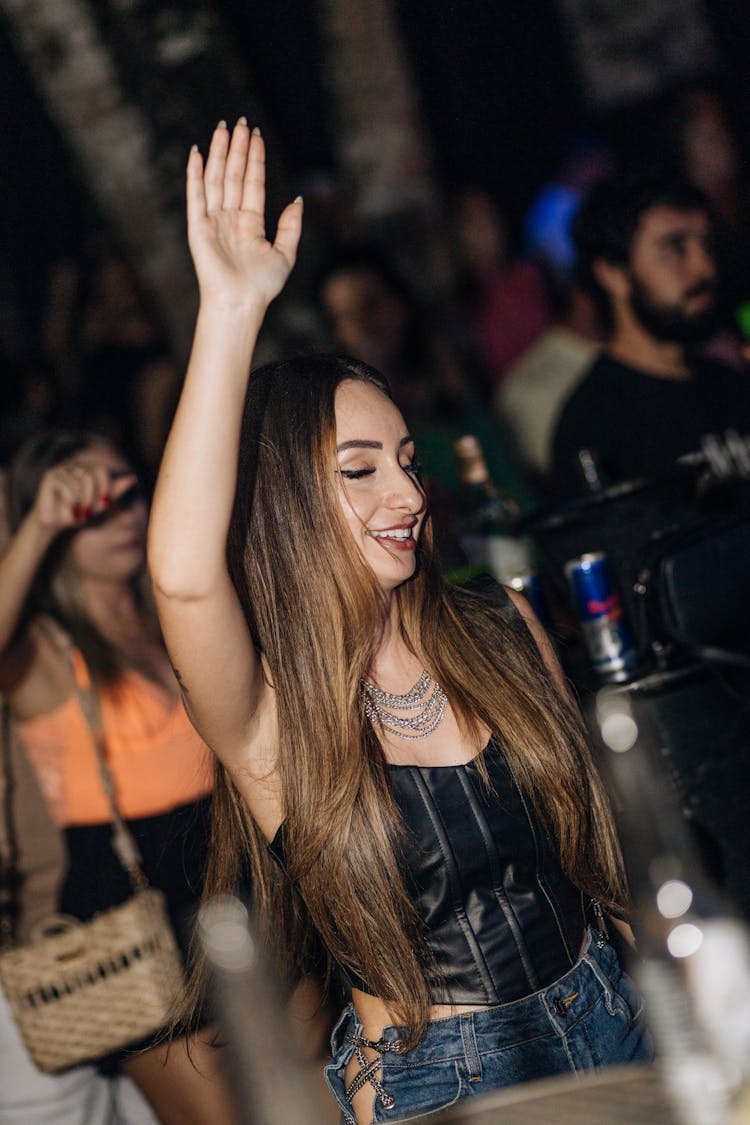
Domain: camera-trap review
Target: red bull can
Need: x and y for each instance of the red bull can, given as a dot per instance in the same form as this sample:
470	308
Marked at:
599	609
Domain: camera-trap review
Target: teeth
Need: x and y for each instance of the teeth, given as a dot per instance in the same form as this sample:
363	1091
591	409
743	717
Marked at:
395	533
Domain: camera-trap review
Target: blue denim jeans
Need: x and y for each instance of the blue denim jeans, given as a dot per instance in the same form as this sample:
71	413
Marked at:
587	1019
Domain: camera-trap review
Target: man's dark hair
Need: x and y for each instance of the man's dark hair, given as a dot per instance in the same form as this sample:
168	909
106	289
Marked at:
607	222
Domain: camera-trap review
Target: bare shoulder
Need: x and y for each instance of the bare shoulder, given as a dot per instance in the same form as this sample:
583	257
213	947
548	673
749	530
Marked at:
33	674
542	640
531	620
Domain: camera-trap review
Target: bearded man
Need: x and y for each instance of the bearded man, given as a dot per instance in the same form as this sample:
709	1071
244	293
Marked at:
651	399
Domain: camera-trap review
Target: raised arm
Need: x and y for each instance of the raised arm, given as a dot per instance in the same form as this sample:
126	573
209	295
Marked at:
239	273
68	495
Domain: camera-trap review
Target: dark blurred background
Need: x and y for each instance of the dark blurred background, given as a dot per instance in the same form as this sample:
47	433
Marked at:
411	125
443	149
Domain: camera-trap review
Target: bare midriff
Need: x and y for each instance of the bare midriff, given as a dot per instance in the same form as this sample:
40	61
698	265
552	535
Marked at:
375	1015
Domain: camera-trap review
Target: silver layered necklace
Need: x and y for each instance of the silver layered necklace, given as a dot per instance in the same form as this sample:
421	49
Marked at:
426	700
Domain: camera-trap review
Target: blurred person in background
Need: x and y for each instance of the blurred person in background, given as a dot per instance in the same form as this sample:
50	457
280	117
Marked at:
374	315
531	396
503	299
76	613
111	360
647	257
30	401
688	134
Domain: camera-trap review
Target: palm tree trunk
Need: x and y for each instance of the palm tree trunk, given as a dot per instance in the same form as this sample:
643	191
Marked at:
382	146
130	87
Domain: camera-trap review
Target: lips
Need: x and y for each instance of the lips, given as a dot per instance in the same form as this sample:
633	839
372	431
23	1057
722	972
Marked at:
399	538
395	533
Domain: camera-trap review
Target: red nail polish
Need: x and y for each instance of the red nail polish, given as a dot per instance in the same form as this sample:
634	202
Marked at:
87	513
77	512
105	500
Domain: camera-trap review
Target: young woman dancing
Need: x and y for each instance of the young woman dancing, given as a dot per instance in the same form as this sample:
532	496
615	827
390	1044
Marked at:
403	764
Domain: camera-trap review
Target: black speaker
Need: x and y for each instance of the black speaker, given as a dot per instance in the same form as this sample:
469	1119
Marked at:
694	585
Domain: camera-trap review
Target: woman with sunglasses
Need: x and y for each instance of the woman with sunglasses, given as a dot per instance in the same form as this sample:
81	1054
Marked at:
76	614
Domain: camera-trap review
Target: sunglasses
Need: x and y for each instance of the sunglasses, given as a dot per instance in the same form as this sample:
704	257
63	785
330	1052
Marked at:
134	495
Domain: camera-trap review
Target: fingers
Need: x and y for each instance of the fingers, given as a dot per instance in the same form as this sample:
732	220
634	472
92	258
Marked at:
74	493
289	230
234	175
195	191
119	486
86	489
254	186
213	179
236	166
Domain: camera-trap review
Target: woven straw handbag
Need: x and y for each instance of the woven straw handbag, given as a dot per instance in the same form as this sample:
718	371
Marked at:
79	990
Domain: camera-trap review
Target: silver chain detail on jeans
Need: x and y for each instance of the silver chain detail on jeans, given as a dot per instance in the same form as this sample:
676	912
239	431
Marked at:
380	705
368	1070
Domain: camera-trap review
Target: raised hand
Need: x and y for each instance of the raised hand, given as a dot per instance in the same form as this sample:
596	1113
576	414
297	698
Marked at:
236	265
72	493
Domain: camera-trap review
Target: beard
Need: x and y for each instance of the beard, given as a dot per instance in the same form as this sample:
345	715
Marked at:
671	322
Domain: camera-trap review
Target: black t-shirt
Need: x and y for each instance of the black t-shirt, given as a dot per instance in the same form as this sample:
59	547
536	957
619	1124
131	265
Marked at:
640	424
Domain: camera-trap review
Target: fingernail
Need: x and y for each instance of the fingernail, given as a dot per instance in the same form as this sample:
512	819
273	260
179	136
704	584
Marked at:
242	120
87	513
299	199
222	124
105	500
193	148
256	131
76	512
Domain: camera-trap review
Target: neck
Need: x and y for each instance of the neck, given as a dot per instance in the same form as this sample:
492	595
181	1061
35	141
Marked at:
633	345
111	606
393	663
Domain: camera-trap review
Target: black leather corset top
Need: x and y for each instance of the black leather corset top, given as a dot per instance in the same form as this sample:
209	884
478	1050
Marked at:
500	917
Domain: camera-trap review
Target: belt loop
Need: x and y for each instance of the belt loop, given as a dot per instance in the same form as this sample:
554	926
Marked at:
469	1043
338	1035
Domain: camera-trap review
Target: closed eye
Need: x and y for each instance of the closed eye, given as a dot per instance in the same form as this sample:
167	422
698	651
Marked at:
413	468
356	474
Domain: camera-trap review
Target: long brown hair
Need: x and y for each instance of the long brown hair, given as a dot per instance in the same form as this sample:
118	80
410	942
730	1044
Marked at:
315	612
55	591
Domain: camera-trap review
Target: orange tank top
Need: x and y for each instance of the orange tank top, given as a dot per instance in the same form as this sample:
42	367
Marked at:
155	755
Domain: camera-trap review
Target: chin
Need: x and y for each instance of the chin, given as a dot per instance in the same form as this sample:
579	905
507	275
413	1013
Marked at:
390	582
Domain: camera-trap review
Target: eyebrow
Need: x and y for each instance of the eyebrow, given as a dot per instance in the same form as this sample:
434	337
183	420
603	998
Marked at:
677	235
363	443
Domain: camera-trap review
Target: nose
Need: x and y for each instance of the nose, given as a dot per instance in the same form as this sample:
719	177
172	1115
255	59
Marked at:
404	493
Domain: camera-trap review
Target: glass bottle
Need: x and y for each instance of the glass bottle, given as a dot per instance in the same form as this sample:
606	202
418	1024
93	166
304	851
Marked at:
488	518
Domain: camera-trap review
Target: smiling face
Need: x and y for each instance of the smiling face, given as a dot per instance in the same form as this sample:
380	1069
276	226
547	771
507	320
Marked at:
381	498
110	547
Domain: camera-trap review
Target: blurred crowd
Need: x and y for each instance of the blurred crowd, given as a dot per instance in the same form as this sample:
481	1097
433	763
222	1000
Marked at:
618	299
486	330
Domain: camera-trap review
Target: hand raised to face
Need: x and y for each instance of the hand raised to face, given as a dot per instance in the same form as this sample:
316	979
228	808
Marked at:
236	265
77	491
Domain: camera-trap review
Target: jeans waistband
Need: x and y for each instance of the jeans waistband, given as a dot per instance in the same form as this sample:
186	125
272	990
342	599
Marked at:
560	1005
